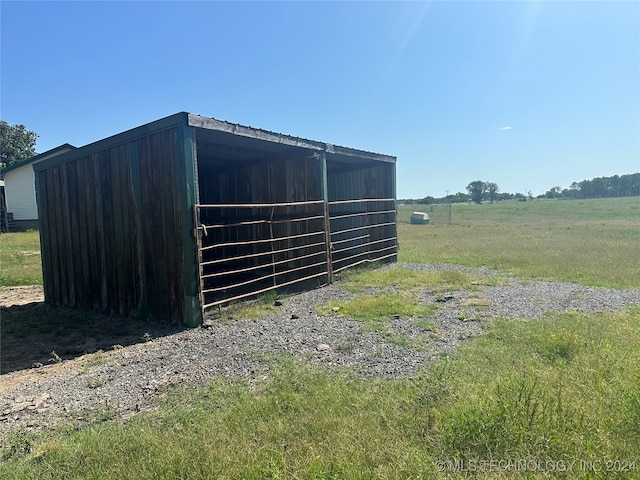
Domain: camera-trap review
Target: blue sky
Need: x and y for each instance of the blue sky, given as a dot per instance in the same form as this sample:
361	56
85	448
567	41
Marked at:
528	95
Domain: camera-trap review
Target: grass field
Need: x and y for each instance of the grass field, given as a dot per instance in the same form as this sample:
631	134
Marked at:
20	259
591	242
554	398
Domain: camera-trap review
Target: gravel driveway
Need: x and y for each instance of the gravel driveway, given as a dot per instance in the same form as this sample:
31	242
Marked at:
129	379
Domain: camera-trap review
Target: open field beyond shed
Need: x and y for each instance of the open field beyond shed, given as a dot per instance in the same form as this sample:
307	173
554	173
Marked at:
415	371
591	242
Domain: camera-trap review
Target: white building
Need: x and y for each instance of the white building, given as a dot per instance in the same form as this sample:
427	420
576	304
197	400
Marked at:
19	188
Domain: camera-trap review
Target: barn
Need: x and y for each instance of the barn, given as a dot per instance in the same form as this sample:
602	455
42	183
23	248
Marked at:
185	213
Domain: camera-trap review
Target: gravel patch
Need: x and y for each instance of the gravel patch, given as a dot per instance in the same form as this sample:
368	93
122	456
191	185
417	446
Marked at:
124	381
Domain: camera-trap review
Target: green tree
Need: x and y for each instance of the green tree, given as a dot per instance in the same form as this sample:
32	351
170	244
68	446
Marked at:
477	190
16	143
492	190
555	192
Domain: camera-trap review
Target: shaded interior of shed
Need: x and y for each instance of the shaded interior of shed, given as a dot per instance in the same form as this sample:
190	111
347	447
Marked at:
253	249
264	218
363	229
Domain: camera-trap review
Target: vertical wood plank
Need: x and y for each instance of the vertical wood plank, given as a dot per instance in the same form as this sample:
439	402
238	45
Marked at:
65	227
57	241
110	218
74	244
162	226
49	242
82	247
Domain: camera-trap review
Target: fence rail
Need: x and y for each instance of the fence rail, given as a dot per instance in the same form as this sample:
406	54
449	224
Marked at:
349	219
249	249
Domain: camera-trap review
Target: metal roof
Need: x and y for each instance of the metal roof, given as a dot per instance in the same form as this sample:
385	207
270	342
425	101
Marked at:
222	132
281	139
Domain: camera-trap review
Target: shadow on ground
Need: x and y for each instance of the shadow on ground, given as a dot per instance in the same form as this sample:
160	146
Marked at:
38	334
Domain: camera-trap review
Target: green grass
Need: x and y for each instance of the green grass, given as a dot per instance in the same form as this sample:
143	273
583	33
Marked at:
359	280
564	389
376	311
395	292
249	309
590	242
20	259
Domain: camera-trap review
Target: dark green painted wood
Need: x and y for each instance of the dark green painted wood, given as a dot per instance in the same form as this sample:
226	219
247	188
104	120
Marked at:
49	244
189	196
42	225
327	224
120	138
394	228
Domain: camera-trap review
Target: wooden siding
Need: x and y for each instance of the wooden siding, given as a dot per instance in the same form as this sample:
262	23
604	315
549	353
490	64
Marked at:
111	230
353	182
89	233
363	234
295	233
275	180
160	175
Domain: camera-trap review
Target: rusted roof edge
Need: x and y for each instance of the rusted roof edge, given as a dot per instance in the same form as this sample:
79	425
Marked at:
200	121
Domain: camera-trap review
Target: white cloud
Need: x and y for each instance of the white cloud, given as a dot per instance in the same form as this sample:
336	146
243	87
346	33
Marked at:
504	128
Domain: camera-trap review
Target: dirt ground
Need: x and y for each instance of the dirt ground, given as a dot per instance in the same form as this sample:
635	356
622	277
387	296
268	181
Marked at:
21	295
34	334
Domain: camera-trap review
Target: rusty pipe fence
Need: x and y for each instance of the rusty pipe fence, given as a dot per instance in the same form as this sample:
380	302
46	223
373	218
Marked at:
249	249
362	231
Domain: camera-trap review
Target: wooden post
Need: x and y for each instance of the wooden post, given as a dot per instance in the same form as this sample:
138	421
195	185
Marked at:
188	208
327	226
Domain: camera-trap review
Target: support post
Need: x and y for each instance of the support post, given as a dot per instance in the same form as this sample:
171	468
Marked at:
189	199
327	225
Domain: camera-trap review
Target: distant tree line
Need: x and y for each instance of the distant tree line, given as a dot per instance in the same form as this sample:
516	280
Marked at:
479	191
616	186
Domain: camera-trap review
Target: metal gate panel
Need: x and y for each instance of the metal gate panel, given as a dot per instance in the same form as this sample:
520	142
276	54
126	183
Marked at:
248	249
362	231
